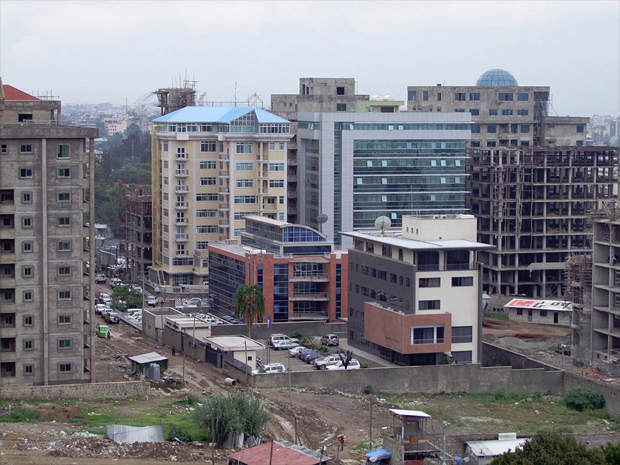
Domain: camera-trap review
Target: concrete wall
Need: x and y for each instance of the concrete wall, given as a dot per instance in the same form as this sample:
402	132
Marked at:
427	379
611	393
85	390
493	355
261	331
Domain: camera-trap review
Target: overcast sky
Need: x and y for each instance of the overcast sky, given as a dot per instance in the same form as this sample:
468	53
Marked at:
113	51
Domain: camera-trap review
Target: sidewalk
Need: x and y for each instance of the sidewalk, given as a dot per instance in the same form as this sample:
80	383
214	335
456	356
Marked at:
362	355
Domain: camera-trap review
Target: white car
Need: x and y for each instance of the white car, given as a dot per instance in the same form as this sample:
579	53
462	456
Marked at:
282	345
295	350
100	308
106	299
152	300
138	289
353	365
271	368
101	279
323	363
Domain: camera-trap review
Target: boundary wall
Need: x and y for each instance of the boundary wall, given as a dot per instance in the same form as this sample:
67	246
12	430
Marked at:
83	390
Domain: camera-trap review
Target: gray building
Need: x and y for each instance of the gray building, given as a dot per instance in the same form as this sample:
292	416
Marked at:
46	228
356	167
503	114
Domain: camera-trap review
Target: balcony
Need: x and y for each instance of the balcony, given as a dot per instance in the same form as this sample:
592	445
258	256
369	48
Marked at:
318	316
269	208
181	189
224	156
7	257
182	222
181	156
223	222
310	296
182	237
317	278
182	255
182	205
181	173
224	174
224	206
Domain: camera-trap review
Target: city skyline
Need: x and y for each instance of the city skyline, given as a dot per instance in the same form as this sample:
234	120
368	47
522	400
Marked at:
95	52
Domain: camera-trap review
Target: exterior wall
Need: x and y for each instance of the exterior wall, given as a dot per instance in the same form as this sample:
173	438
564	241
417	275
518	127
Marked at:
329	162
82	391
541	317
563	131
47	221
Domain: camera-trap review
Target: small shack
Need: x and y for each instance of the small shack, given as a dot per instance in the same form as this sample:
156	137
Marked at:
542	312
140	363
484	452
238	351
408	442
278	452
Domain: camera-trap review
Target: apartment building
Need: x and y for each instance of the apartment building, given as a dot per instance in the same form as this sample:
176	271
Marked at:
356	167
296	267
534	204
139	224
503	114
212	166
46	229
415	295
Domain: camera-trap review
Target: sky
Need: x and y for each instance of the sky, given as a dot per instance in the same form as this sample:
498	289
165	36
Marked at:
119	51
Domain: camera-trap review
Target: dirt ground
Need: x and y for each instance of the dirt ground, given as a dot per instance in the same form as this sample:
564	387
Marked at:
315	416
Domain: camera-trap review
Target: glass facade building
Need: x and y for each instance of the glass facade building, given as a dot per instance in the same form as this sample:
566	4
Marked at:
380	165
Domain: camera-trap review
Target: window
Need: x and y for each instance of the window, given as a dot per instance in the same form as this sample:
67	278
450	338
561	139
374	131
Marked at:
276	166
25	172
27	296
244	183
523	96
505	97
206	197
341	107
64	368
28	320
439	98
28	344
339	90
491	143
64	196
474	111
580	128
64	172
64	295
166	212
27	271
206	213
165	164
26	197
507	112
276	183
459	110
460	96
281	216
429	282
245	199
208	146
26	247
63	151
166	245
272	146
28	370
491	128
462	281
181	152
280	146
203	245
4	148
27	222
475	129
463	356
412	95
579	143
493	112
432	335
519	311
243	147
425	95
25	148
64	319
64	343
461	334
64	221
475	143
281	200
525	128
543	313
209	229
429	305
64	271
208	165
474	96
208	181
522	112
166	182
244	166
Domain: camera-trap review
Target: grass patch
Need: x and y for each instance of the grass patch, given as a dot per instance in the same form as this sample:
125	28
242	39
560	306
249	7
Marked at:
496	316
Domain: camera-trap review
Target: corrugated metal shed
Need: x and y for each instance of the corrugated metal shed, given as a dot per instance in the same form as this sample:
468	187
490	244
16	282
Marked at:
284	453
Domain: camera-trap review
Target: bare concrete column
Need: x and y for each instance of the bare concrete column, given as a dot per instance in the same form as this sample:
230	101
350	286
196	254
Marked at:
91	258
44	263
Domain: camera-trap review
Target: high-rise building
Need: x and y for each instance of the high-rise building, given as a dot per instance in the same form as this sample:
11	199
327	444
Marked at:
211	167
139	216
503	114
47	333
356	167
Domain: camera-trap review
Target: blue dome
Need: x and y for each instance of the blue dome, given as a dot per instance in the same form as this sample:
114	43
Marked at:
497	77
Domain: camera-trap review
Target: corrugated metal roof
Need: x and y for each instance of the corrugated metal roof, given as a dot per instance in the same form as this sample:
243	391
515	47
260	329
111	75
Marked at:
151	357
216	115
11	93
496	447
409	413
284	453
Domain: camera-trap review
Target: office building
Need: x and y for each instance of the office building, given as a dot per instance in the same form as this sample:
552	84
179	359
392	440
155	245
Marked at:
296	267
212	166
47	333
356	167
415	295
503	114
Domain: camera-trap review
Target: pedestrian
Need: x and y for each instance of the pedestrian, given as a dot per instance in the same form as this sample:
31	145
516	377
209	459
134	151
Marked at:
109	334
341	441
174	351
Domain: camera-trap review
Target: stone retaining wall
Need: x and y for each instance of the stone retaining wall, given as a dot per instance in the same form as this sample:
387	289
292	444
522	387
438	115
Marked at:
83	391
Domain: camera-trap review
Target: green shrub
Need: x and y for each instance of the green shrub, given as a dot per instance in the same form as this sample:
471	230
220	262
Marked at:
178	434
581	398
368	390
19	414
191	399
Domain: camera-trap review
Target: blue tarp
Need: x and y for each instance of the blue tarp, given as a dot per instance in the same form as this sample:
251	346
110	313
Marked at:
378	454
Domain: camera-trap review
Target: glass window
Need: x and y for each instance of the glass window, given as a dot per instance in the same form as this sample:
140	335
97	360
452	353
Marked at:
474	96
462	334
208	165
493	112
208	146
474	111
412	95
525	128
25	172
475	128
63	151
523	96
505	97
425	95
429	282
522	112
244	147
580	128
491	128
429	304
276	183
276	166
244	166
462	281
460	96
507	112
341	107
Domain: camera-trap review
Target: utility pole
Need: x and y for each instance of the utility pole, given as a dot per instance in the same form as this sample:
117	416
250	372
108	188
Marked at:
370	422
444	425
184	348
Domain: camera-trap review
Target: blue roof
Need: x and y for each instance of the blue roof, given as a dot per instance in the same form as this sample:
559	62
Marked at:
497	77
216	115
379	454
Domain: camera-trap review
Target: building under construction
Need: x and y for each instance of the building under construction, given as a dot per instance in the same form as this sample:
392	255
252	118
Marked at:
578	280
139	213
174	98
533	204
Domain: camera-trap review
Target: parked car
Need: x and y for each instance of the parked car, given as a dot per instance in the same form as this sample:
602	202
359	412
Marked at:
293	352
102	330
116	282
353	365
322	363
138	289
312	356
112	318
281	337
101	279
330	340
152	300
307	354
271	368
105	299
281	345
100	308
301	353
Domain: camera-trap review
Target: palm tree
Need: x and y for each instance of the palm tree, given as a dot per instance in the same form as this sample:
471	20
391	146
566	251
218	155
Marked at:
249	303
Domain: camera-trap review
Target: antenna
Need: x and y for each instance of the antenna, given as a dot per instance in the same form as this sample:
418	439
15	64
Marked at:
382	223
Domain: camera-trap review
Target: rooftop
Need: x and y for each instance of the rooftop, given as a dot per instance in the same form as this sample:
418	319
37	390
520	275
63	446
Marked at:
284	453
217	115
151	357
391	238
497	77
11	93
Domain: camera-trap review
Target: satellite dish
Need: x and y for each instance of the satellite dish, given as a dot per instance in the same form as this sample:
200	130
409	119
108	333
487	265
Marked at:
322	218
382	223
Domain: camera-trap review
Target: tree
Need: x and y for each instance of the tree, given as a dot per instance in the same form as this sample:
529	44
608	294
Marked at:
126	293
548	448
249	303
